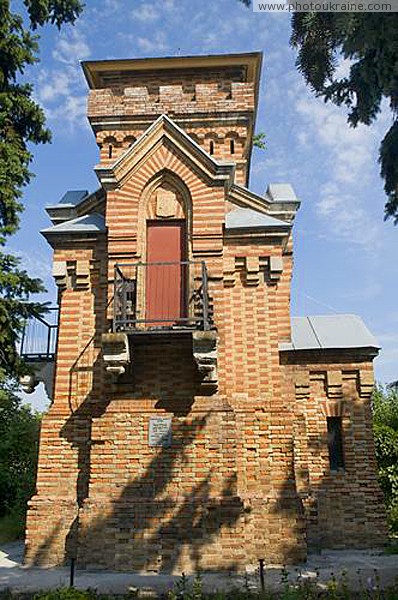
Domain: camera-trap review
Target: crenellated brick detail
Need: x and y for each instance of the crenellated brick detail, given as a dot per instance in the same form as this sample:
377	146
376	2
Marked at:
246	475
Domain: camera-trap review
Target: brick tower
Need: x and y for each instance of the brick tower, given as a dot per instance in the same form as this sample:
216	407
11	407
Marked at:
194	425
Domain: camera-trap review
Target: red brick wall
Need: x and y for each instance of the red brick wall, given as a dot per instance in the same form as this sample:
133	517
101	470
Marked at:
246	476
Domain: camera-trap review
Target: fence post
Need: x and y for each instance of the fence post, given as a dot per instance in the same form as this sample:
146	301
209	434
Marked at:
114	297
72	573
205	298
262	579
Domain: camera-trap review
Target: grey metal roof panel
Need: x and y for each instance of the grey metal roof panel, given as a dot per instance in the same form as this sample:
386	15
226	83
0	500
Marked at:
341	331
303	335
87	223
323	332
247	218
71	198
281	192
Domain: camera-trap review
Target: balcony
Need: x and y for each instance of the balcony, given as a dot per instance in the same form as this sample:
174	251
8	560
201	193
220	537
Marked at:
39	337
161	297
38	348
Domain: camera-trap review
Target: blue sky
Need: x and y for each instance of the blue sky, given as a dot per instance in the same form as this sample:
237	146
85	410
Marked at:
345	254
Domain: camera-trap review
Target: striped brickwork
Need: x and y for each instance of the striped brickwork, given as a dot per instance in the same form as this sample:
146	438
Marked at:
246	476
343	508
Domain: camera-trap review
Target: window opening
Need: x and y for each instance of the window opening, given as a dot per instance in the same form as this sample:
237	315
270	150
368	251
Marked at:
335	443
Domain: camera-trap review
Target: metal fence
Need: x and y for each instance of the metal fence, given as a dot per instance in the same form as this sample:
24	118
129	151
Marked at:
39	337
161	296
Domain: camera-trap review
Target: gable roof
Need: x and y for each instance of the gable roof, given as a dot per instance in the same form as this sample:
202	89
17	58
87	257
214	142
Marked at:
164	127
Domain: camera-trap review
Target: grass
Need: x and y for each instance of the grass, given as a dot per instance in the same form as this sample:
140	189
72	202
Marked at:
392	547
12	527
335	589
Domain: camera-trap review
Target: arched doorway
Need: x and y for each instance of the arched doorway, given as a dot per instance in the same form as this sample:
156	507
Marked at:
166	258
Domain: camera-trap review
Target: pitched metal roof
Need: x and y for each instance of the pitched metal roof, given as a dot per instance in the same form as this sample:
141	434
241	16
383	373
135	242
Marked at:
329	332
71	198
85	224
247	218
281	192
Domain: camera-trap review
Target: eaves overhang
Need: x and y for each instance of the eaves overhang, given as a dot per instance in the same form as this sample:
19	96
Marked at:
248	224
327	355
86	227
250	62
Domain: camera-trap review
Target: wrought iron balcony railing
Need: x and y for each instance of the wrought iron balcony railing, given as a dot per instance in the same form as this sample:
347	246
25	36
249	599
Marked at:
161	296
39	337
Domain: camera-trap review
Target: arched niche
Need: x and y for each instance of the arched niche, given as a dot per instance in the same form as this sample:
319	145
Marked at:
165	198
164	281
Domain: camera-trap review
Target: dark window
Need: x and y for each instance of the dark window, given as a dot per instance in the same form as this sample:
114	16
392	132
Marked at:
335	443
211	147
110	151
232	146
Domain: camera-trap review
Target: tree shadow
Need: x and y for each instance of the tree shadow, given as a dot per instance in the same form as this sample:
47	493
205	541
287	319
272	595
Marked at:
150	526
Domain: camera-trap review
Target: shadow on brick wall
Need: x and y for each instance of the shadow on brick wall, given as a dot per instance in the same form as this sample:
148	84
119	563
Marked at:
147	526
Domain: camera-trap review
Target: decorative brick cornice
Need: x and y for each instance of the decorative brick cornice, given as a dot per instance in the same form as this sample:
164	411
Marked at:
229	272
252	271
366	383
73	275
334	382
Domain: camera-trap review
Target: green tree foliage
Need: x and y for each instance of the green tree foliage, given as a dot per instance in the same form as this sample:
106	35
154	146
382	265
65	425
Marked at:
370	42
259	140
385	426
19	434
22	123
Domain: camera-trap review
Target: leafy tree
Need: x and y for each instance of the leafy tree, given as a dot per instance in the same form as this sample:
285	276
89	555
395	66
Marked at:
19	434
22	123
370	42
385	426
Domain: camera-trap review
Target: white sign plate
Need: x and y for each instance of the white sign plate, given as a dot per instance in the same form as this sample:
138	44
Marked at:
160	431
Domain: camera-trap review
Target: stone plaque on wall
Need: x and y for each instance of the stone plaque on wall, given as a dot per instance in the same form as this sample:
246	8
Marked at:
160	431
166	203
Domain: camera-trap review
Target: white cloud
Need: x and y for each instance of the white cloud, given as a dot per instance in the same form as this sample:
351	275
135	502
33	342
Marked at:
145	13
37	265
157	43
71	112
61	90
54	84
71	47
349	163
343	68
112	5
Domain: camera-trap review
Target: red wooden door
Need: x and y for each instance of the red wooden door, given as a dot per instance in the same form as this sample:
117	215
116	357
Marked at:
165	283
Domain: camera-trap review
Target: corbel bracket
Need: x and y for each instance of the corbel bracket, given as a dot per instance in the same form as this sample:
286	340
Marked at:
205	355
115	352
